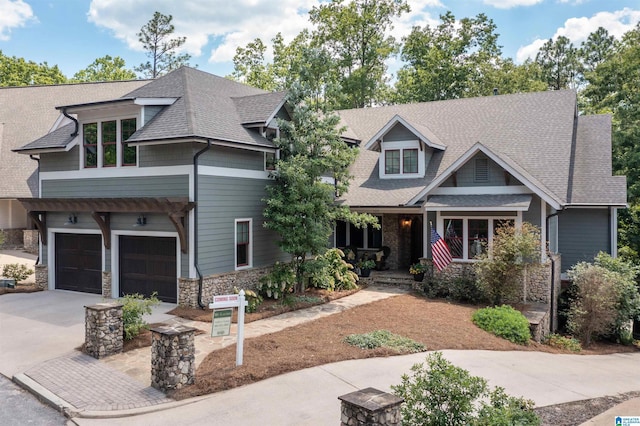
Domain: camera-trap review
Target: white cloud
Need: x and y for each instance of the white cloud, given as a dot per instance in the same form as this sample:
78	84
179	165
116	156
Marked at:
228	24
578	29
13	14
508	4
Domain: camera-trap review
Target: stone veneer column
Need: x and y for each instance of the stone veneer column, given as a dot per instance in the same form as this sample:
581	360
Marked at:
172	357
104	329
42	277
370	407
106	284
30	239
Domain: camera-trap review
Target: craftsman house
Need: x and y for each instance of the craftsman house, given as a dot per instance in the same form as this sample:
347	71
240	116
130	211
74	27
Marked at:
465	166
161	189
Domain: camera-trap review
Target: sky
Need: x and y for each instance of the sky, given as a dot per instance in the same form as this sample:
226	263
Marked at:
73	33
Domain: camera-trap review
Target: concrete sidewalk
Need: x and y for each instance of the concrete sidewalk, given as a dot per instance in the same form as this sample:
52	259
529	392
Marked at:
105	391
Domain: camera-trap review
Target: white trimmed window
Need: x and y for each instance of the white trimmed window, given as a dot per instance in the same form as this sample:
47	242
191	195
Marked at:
346	234
402	159
104	143
244	243
469	237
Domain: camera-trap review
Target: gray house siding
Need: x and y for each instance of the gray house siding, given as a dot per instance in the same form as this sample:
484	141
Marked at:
582	233
221	156
533	214
166	155
60	161
150	186
399	133
466	175
221	201
150	111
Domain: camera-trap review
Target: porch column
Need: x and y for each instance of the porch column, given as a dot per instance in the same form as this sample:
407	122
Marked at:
426	233
543	230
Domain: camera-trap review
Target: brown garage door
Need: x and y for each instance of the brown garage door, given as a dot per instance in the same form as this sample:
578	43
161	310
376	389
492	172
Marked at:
79	262
148	264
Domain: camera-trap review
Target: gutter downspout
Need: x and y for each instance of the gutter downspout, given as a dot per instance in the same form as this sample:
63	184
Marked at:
195	221
552	320
75	132
34	158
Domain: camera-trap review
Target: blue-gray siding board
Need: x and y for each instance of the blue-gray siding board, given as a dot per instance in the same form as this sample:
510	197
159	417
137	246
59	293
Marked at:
582	233
60	161
222	156
221	200
466	175
148	186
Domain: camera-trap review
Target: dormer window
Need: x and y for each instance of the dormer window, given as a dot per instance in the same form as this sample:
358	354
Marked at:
401	159
104	143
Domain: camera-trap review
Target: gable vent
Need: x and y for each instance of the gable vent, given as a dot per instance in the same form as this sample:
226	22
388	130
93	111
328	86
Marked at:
482	170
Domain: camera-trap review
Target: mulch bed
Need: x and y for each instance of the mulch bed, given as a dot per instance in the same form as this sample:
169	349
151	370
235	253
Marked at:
20	288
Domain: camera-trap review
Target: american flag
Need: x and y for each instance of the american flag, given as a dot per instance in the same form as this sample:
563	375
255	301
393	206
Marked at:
439	251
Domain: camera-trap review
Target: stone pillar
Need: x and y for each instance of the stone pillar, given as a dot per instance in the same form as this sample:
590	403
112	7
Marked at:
370	407
42	277
106	284
30	238
172	357
104	329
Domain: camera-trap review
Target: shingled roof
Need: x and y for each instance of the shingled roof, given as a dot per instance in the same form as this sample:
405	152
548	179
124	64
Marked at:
533	132
28	113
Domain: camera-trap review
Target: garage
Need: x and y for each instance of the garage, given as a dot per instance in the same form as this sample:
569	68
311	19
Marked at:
148	264
79	262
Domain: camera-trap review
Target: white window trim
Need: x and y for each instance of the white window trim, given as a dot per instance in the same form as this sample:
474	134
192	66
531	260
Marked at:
235	245
465	229
401	146
99	148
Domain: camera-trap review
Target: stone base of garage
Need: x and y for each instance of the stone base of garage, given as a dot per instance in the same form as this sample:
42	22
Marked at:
218	284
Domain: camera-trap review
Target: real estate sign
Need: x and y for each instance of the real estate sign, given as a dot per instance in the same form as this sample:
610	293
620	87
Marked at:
221	322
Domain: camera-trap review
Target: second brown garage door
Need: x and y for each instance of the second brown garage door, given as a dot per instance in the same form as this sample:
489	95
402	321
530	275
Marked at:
148	264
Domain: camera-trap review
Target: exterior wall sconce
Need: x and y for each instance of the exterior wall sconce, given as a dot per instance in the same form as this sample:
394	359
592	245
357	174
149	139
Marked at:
406	222
141	221
72	220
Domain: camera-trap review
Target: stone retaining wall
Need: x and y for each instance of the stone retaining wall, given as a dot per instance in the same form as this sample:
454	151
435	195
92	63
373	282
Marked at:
31	238
12	238
218	284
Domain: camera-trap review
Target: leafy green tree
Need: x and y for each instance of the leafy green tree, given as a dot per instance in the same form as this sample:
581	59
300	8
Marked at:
105	69
300	205
442	62
500	269
161	49
356	36
249	66
507	77
561	68
614	87
597	48
16	71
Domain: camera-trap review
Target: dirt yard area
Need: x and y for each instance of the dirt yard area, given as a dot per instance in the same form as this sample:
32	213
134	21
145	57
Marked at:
435	323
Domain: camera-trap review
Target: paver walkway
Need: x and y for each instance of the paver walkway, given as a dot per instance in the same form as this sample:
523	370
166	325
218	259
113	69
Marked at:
122	382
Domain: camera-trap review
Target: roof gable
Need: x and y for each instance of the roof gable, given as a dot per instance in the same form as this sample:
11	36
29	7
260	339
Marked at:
422	133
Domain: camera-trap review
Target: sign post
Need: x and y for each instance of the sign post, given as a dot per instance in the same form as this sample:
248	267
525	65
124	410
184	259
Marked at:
231	301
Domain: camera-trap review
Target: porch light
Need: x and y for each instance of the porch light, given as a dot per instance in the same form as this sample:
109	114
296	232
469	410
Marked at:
141	221
72	220
406	222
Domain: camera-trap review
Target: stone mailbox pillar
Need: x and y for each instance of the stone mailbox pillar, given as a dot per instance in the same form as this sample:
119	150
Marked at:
172	357
104	329
370	407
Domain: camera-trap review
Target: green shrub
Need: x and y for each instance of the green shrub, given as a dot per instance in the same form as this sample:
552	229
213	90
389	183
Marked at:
17	271
505	322
628	303
463	288
279	282
500	269
562	342
442	395
134	307
253	299
331	272
592	313
385	339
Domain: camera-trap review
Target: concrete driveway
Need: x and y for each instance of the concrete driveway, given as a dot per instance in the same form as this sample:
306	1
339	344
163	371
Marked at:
35	327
